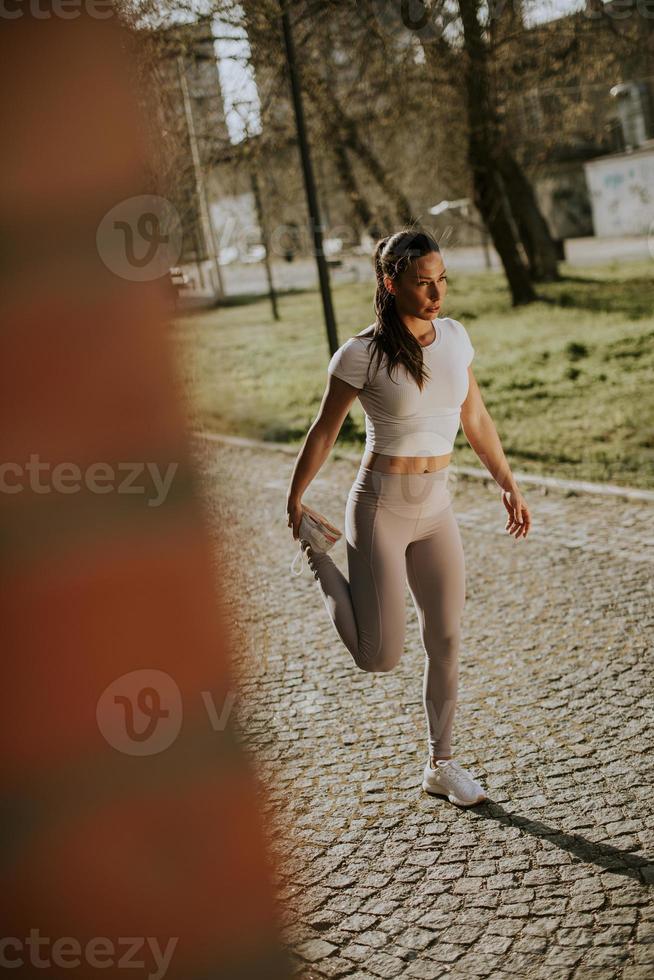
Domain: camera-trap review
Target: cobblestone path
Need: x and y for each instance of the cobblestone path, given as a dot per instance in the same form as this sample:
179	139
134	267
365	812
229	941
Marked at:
552	877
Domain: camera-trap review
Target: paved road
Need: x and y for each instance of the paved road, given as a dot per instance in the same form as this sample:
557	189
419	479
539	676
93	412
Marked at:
553	877
302	274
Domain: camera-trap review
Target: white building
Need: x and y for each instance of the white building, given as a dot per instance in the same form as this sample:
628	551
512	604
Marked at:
621	188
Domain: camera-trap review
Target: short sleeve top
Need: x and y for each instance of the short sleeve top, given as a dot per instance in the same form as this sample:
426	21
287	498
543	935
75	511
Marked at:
401	420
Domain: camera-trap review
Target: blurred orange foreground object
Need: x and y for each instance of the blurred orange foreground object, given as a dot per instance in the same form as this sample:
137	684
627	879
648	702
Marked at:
133	838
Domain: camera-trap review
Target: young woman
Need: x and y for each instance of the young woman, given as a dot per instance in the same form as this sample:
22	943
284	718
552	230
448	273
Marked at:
411	371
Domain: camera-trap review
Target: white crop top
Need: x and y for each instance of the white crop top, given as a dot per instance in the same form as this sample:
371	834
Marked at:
401	420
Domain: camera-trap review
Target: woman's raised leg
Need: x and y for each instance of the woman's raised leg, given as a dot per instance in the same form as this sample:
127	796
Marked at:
369	611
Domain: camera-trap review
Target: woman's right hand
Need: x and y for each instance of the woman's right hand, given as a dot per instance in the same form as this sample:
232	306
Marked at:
294	511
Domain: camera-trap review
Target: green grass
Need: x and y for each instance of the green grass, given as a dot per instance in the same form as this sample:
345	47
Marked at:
568	380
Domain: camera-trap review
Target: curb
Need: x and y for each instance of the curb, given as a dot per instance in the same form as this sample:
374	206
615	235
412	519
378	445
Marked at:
578	486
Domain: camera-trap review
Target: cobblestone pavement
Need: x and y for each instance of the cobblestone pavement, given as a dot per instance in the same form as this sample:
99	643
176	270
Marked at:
552	877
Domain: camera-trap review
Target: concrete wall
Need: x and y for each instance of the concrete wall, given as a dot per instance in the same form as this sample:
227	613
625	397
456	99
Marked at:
621	188
563	198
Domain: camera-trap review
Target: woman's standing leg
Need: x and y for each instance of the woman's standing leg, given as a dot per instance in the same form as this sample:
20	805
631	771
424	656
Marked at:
436	576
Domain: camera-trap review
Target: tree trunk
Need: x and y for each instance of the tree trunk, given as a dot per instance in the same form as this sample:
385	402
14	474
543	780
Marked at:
492	203
484	148
340	128
507	32
372	163
362	213
532	226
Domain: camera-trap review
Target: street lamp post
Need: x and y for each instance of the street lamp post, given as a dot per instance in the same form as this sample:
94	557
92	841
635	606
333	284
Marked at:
309	182
208	233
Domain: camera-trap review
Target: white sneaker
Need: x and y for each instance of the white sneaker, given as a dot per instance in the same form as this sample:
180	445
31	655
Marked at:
315	532
452	780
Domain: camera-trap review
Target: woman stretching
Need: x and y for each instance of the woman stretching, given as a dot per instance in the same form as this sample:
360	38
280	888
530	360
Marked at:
411	371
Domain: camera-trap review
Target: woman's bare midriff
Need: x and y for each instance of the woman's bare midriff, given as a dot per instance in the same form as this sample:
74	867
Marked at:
404	464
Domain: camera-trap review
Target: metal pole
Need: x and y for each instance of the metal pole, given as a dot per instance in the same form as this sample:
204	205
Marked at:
200	188
263	227
309	182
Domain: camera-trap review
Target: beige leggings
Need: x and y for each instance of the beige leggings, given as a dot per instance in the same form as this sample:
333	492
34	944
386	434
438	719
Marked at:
401	528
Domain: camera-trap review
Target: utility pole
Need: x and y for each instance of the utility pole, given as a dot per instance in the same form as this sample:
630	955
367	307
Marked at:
208	235
263	228
309	182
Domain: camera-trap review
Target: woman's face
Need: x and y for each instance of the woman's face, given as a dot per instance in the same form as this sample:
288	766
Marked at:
420	290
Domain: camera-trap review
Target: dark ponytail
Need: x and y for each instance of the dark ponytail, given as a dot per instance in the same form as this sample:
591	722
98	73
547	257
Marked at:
392	256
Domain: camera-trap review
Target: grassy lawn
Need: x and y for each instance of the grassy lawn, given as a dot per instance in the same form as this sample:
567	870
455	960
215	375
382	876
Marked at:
569	380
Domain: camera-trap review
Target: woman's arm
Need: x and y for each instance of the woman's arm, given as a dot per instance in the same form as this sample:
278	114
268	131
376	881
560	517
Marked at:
322	434
482	435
